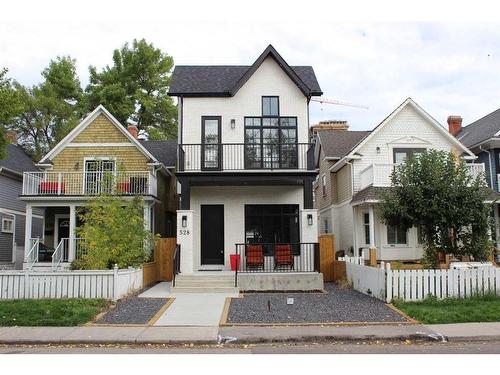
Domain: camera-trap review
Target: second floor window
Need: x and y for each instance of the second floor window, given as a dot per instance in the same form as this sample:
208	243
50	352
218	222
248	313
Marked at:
270	106
401	154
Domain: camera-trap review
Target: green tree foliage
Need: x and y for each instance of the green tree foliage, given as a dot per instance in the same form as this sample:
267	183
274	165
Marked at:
135	89
113	232
49	110
436	193
10	107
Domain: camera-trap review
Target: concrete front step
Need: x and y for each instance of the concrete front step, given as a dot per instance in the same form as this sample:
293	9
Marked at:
195	283
205	289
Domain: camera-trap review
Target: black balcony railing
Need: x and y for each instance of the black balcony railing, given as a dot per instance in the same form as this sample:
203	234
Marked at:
245	156
276	257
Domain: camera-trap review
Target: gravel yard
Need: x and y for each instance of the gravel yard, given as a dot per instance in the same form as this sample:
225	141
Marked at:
133	311
338	305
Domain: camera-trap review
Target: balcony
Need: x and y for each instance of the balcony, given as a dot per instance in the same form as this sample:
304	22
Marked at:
88	183
379	175
245	157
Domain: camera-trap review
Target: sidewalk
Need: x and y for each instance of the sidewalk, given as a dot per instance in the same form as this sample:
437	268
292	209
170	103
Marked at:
246	334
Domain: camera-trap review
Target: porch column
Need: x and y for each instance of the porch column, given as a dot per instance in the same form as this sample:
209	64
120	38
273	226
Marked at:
27	229
308	234
354	231
185	238
72	227
372	227
497	224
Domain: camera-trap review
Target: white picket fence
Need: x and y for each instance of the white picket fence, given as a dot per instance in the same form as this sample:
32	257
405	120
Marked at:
415	285
109	284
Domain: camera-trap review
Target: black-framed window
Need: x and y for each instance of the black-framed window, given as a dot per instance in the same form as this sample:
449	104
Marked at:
401	154
211	142
276	223
271	142
396	235
366	226
270	106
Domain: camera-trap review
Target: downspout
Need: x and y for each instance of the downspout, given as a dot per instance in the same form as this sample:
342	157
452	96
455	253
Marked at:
491	166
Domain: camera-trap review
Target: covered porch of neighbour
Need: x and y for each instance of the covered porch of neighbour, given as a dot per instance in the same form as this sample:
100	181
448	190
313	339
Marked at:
59	244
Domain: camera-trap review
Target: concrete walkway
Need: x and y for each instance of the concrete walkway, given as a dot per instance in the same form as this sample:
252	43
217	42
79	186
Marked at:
467	331
189	309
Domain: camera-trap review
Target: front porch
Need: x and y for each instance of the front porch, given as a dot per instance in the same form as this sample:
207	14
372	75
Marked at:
59	244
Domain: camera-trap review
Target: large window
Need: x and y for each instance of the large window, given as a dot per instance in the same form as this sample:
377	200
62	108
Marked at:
272	224
396	235
271	140
401	154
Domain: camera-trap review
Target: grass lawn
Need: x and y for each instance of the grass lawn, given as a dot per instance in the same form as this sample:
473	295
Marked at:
451	310
50	312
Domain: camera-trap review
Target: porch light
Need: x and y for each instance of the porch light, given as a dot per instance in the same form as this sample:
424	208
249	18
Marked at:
233	123
309	219
184	221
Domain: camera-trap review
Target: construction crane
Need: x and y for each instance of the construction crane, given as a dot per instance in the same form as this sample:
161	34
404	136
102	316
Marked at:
337	102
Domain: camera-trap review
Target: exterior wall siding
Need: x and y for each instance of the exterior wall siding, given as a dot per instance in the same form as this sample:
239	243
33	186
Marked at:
101	130
72	159
406	129
344	184
268	80
234	200
10	190
323	201
484	157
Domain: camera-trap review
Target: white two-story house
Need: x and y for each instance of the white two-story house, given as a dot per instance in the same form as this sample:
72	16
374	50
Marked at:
246	169
355	168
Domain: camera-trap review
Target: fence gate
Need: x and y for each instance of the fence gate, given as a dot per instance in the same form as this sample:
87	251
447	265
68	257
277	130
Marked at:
327	256
161	268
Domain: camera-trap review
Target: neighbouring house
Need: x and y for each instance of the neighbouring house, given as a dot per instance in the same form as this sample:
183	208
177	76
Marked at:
246	170
482	137
355	168
12	210
78	168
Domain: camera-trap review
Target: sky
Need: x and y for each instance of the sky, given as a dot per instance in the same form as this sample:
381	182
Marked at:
376	54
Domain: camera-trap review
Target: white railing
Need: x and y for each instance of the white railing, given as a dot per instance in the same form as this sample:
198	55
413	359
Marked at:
379	175
109	284
414	285
32	256
60	253
79	248
89	183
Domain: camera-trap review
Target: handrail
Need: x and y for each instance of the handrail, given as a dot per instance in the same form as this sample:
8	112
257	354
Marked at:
32	256
176	263
58	254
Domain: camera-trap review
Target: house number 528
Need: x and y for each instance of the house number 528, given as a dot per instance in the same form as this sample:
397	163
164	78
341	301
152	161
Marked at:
184	232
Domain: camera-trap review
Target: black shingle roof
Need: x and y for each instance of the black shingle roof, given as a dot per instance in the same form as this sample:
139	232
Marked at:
164	151
225	80
17	160
480	130
338	143
218	80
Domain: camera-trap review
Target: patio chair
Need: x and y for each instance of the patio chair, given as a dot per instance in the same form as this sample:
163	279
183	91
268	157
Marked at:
283	256
254	256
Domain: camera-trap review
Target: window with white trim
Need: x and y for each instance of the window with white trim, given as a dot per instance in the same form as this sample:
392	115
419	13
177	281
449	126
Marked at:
323	184
396	235
7	225
366	226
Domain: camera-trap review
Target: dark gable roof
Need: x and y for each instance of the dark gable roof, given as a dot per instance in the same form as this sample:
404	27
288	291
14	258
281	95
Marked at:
17	160
369	194
338	143
226	80
164	151
480	130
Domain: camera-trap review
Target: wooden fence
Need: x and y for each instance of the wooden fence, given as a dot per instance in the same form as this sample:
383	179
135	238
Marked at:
109	284
414	285
327	256
161	268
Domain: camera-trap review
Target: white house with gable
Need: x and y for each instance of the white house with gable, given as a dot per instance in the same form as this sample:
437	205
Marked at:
355	167
246	169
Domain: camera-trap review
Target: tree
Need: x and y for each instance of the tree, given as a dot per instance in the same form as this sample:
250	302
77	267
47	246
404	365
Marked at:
436	193
135	89
49	110
10	107
113	232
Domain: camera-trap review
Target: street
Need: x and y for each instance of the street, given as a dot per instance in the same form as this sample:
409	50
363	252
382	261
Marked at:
482	347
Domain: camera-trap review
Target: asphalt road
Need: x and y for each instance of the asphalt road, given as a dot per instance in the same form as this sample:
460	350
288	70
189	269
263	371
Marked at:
486	347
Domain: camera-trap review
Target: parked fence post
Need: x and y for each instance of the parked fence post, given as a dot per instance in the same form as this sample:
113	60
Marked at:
115	283
388	282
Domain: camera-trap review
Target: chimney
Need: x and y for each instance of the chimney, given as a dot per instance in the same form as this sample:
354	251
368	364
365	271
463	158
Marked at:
132	129
454	125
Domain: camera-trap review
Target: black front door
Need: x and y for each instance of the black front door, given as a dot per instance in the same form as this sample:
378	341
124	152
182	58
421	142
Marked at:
62	230
212	234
